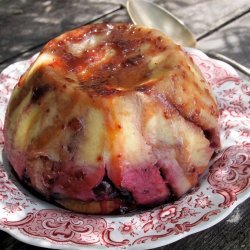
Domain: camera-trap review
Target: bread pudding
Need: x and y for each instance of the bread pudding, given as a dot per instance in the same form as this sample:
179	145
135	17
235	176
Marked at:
109	118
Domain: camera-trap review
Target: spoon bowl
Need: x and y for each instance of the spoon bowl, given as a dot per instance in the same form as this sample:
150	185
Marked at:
156	17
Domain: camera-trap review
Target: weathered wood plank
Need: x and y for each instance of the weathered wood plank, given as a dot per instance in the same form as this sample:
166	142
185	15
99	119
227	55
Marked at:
25	24
233	232
232	41
203	15
29	24
117	16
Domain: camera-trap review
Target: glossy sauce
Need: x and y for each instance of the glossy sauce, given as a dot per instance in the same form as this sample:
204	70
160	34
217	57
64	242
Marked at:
126	64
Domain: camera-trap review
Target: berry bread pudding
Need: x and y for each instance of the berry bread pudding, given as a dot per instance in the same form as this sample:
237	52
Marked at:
109	118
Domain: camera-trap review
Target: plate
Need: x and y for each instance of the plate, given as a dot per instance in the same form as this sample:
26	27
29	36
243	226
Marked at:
225	185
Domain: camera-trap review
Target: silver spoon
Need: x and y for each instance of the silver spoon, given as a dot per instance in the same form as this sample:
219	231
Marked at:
149	14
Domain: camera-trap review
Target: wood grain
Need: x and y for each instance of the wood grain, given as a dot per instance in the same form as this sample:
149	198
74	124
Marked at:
203	15
25	24
30	23
232	41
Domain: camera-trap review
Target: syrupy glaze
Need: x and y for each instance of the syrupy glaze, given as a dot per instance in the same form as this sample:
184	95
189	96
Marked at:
114	104
109	58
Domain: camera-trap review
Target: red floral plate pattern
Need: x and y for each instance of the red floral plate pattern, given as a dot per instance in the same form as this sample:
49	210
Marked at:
225	185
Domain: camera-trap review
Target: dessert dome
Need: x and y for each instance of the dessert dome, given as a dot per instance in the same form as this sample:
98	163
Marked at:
109	118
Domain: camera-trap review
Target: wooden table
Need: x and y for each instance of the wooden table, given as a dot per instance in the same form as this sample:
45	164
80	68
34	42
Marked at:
219	26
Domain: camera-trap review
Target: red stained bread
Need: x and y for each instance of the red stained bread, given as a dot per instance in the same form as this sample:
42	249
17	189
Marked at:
111	117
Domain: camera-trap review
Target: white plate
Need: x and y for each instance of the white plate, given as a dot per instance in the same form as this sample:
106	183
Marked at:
225	186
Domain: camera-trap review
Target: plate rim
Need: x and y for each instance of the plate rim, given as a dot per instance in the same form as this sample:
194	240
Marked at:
160	242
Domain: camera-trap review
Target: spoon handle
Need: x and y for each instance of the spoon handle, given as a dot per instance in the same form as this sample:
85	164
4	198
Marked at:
230	61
